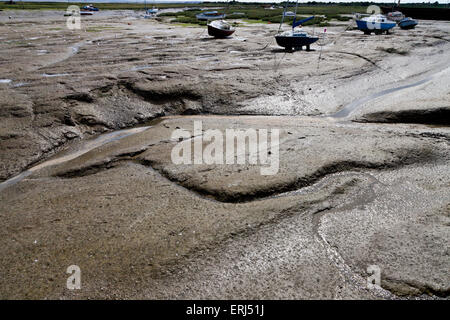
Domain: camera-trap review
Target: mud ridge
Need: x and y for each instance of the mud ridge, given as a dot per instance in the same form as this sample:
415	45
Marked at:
438	116
162	95
98	167
412	289
414	157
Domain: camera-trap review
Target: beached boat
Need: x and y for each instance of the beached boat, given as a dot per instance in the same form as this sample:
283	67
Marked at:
289	14
376	23
220	29
407	23
296	38
396	16
210	15
150	13
89	7
419	12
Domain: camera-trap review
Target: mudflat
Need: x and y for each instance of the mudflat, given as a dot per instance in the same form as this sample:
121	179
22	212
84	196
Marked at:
86	138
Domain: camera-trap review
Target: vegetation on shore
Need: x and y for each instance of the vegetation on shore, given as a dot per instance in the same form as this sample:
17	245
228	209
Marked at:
249	12
258	14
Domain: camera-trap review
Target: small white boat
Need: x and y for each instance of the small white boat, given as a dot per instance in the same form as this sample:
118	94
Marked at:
289	14
396	16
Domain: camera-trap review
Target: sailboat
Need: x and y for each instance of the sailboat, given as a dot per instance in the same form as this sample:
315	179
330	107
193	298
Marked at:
150	13
376	23
295	38
402	21
220	28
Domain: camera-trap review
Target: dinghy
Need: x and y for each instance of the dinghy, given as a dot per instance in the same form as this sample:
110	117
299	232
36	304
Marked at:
220	29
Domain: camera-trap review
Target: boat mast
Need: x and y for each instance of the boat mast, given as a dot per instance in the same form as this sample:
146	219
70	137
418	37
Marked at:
295	17
226	9
282	18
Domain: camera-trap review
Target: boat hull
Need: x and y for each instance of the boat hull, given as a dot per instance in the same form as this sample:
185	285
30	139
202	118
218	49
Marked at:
219	33
291	42
375	27
405	25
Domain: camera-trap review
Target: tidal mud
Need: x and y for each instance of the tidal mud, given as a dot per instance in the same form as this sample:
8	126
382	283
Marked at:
363	175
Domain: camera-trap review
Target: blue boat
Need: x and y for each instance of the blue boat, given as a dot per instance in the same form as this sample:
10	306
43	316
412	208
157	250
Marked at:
89	7
407	23
377	23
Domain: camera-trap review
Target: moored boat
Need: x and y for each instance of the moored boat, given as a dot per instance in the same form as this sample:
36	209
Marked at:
89	7
220	29
296	38
407	23
396	16
377	23
289	14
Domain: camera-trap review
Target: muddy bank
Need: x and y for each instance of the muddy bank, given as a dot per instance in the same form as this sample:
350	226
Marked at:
140	227
118	71
362	178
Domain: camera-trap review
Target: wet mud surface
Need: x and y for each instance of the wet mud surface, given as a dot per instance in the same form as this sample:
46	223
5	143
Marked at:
86	124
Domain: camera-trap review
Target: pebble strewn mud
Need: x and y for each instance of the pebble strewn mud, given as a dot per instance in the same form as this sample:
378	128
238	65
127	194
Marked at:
363	162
